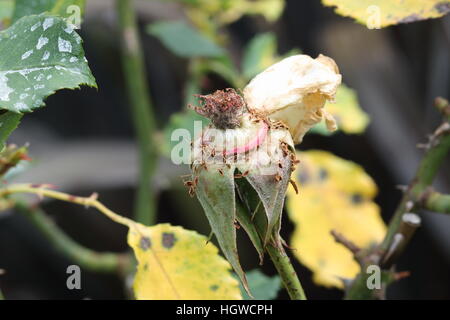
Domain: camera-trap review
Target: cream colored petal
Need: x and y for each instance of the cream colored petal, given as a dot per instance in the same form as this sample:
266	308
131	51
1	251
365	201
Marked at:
294	91
330	122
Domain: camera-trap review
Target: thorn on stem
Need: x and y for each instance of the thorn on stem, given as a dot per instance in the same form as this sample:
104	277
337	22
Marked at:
209	237
353	248
409	205
25	157
93	196
401	275
408	226
284	244
442	105
294	185
433	139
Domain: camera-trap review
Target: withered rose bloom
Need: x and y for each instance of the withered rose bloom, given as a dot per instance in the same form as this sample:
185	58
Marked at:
294	91
245	157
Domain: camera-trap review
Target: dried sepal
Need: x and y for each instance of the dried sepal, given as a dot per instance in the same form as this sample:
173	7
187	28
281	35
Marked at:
268	172
216	194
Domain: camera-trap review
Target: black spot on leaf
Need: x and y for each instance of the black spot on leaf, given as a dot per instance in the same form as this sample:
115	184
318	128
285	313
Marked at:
443	7
145	243
214	287
323	174
303	176
411	18
168	240
357	198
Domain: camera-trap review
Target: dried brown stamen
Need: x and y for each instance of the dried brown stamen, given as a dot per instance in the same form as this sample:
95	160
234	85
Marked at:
224	108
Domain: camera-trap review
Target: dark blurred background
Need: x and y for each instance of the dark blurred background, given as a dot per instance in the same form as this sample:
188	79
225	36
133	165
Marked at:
83	142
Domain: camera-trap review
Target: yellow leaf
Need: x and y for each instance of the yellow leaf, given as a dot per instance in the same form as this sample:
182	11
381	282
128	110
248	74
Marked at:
209	14
270	9
383	13
229	11
347	112
175	263
335	194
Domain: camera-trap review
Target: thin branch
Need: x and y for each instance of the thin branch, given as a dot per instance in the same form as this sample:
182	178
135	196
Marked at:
102	262
439	146
2	297
43	191
435	201
141	109
443	106
437	149
340	238
353	248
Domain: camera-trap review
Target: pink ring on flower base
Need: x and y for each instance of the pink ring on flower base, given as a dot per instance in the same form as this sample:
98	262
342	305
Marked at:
260	136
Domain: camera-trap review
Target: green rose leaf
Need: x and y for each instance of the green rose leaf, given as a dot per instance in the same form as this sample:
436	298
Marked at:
185	119
259	54
263	287
8	123
40	55
6	11
183	40
63	8
10	157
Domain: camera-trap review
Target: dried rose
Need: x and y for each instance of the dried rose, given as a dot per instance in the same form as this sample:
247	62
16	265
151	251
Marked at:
245	157
294	92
